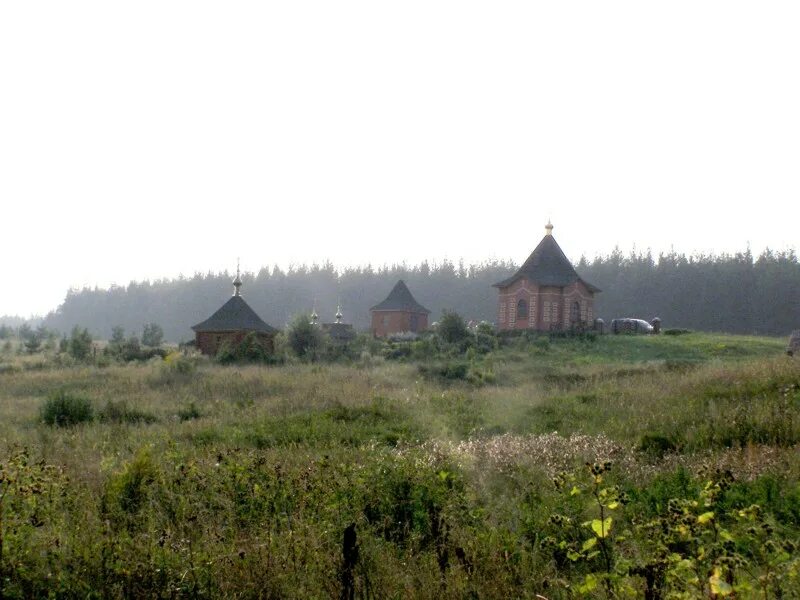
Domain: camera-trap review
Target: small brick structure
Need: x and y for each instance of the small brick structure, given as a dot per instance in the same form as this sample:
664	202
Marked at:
231	324
546	293
398	313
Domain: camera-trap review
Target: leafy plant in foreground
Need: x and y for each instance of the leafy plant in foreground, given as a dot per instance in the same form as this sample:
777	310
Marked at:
697	547
63	409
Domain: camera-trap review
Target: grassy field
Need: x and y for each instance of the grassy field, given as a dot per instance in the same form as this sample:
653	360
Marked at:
391	479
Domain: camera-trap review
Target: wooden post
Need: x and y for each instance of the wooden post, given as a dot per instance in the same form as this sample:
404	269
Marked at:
349	560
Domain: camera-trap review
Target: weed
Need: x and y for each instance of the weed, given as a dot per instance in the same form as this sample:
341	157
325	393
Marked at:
121	413
189	412
63	410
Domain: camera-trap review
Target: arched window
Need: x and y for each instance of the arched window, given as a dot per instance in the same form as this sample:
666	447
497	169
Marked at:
522	309
575	314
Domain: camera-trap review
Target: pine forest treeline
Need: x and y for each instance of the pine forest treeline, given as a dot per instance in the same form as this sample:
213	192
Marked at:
738	293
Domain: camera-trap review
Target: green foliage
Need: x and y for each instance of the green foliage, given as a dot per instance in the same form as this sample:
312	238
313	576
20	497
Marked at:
30	500
447	370
63	410
410	508
377	422
448	486
397	350
129	350
180	364
250	349
80	343
696	546
121	413
304	338
152	335
657	445
127	491
452	328
189	412
117	335
25	332
33	343
771	418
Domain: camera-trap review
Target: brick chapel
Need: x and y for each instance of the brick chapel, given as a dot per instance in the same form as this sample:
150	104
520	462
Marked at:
546	293
231	324
399	312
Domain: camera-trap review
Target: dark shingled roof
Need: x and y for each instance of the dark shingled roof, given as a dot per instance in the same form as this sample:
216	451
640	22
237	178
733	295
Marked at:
235	315
547	265
400	298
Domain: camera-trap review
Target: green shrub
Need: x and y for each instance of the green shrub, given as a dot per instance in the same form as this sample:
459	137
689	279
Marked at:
305	339
657	445
406	505
189	413
452	328
129	489
152	335
397	350
63	410
676	331
485	342
541	344
250	349
447	370
120	412
424	348
80	343
177	363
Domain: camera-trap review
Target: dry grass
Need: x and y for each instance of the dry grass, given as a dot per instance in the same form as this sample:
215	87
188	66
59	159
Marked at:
249	475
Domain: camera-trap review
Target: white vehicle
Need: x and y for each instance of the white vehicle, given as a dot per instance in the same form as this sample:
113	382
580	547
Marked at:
630	326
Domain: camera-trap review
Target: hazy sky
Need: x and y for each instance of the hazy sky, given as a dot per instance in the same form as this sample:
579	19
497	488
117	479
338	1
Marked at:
147	139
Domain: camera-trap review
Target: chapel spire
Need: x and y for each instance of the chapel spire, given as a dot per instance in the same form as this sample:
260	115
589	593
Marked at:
237	283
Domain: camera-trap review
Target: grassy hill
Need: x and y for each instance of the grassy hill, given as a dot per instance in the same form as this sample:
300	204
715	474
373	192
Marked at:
464	476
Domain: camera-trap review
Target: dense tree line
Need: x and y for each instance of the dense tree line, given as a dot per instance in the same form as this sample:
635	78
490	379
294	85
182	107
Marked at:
738	293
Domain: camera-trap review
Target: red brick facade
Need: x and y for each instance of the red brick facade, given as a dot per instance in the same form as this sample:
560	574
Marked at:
544	308
209	342
387	322
546	293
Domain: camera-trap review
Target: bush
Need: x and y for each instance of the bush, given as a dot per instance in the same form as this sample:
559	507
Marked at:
152	335
484	342
32	344
397	351
677	331
129	489
657	445
452	328
305	339
63	410
448	370
189	413
80	343
424	348
175	362
250	349
120	412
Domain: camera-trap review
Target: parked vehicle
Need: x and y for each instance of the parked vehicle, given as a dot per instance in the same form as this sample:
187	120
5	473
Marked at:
630	326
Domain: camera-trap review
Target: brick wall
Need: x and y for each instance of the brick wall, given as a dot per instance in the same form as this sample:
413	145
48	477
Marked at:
548	307
387	322
209	342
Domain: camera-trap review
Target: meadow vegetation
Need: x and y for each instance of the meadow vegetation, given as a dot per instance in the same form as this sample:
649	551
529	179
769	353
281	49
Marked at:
455	466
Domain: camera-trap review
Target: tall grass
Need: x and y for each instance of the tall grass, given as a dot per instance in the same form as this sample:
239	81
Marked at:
240	481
